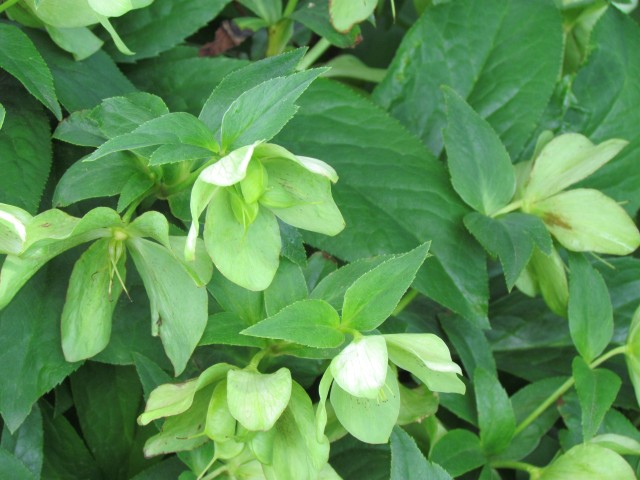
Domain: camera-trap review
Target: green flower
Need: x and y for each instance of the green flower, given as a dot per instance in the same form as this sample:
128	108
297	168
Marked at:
244	194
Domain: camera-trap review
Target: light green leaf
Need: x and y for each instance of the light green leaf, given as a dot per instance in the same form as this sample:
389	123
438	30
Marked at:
221	426
588	462
313	323
173	399
111	8
481	170
257	400
20	58
314	14
356	413
361	368
597	389
242	80
511	238
586	220
632	355
170	129
3	113
247	257
13	229
566	160
507	79
93	292
80	42
381	217
371	299
162	25
178	305
269	10
345	13
590	309
458	452
495	414
427	357
618	443
261	112
408	462
150	224
201	268
229	170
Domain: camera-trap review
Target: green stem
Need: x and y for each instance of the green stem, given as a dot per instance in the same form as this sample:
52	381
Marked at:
525	467
209	465
509	208
290	8
7	4
314	54
216	472
564	388
135	204
257	358
405	302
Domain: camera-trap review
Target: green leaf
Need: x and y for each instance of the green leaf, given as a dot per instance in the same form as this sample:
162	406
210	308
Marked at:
586	220
269	10
511	238
107	400
80	42
566	160
170	129
162	25
408	462
19	57
632	355
313	323
287	287
169	400
224	329
261	112
13	229
381	217
371	299
25	150
458	452
3	113
12	467
345	14
355	413
242	80
507	79
427	357
590	310
481	170
247	257
257	400
248	305
315	16
469	342
178	305
361	368
26	444
30	343
597	389
588	462
618	443
495	414
545	274
84	84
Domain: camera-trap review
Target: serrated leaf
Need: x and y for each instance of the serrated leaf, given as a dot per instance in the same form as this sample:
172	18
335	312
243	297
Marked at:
382	217
458	452
178	305
511	238
287	287
313	323
590	309
371	299
481	170
495	414
408	462
261	112
597	389
162	25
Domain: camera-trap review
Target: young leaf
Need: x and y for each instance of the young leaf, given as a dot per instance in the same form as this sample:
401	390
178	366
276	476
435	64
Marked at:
588	462
511	237
313	323
20	58
481	170
566	160
360	369
495	414
427	357
458	452
178	305
345	14
587	220
408	462
257	400
248	257
590	309
260	113
356	413
371	299
597	389
93	292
